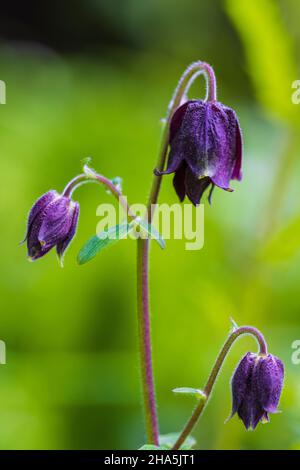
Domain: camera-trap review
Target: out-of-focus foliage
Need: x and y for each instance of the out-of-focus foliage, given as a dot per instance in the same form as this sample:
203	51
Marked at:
72	376
269	50
285	243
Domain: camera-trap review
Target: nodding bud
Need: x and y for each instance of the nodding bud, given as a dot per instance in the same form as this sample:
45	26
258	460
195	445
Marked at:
52	222
205	148
256	388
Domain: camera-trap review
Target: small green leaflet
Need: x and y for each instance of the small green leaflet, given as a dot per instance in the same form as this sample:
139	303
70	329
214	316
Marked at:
199	394
152	447
150	230
105	239
113	234
167	441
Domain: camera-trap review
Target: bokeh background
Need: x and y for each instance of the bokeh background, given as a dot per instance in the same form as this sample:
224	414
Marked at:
93	78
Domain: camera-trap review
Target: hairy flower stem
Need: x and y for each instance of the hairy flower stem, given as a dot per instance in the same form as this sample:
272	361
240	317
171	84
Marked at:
185	82
214	373
90	176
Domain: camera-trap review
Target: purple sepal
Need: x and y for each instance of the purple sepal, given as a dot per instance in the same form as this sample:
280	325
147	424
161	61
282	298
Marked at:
52	222
205	148
40	204
256	388
62	245
56	222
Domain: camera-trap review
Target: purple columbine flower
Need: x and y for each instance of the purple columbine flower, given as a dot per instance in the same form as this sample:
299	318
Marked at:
52	222
256	388
205	148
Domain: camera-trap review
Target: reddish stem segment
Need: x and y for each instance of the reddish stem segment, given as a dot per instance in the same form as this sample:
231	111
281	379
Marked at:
92	177
144	248
145	342
144	244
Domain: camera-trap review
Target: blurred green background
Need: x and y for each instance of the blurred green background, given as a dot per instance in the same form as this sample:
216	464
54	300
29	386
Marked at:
94	78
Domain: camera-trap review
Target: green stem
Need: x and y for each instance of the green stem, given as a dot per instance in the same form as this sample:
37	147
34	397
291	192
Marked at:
152	427
213	376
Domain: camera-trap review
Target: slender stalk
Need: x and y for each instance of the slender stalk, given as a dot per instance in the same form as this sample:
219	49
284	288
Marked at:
145	342
152	428
90	176
214	374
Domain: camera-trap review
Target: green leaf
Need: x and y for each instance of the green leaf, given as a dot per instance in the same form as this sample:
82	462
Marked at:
200	395
168	440
152	447
105	239
150	230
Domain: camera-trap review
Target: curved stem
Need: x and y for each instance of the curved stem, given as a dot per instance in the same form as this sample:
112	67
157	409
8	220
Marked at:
214	373
75	183
188	77
144	247
90	176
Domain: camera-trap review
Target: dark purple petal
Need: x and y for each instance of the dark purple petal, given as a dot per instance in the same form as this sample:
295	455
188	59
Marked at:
237	171
195	187
249	411
62	246
193	141
175	160
40	250
179	181
207	137
38	206
244	392
175	157
244	413
57	219
256	388
257	414
270	374
34	247
241	382
224	125
52	221
177	118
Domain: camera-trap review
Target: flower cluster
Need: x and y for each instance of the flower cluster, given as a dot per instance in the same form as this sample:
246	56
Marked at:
204	142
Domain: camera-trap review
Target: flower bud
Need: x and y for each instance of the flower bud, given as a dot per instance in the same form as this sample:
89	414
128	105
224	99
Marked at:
205	148
256	388
52	222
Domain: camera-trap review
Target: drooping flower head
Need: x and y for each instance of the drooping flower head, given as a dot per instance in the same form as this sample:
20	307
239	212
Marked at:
256	388
52	221
205	148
